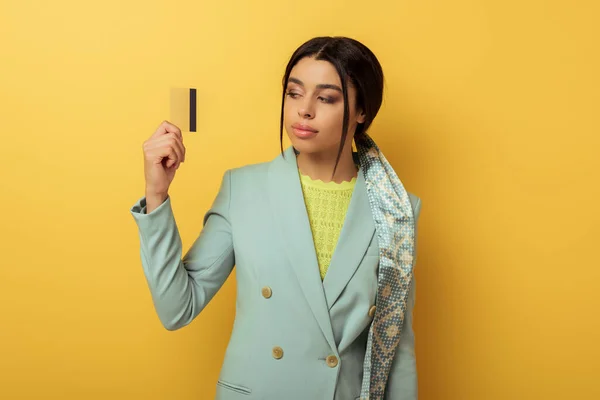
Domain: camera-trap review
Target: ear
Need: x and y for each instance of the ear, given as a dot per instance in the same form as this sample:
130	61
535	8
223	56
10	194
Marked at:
361	117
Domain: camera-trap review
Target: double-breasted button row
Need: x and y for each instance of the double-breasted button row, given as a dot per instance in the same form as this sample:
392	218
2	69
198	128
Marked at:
267	292
331	360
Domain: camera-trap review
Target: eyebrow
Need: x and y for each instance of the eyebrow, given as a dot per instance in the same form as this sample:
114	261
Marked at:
319	86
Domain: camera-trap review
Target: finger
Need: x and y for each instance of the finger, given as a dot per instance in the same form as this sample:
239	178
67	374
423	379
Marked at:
181	147
176	145
163	150
167	127
173	144
172	128
171	158
158	148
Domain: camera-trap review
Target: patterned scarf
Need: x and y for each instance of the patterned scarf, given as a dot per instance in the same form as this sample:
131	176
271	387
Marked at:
394	223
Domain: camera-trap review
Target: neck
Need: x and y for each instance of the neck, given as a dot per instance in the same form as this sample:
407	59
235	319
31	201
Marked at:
320	165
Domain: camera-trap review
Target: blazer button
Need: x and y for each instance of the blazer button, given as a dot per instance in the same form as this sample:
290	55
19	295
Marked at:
277	352
332	361
372	311
267	292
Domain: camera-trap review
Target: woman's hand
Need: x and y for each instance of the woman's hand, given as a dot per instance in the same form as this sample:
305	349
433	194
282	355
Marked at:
163	154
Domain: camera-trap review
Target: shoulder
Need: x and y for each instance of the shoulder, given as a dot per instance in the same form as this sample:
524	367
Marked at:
251	176
253	171
249	171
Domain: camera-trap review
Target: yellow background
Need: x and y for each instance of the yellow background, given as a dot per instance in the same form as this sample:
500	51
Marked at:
490	116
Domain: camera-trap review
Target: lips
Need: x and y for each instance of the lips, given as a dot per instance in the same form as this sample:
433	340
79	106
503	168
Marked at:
303	127
303	131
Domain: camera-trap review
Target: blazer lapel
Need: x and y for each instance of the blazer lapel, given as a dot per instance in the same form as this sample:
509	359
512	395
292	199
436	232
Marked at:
356	235
291	217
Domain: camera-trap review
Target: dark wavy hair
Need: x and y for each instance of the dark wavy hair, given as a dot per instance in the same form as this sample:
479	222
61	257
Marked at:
354	63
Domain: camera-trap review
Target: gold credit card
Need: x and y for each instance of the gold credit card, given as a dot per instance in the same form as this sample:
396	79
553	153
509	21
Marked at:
184	109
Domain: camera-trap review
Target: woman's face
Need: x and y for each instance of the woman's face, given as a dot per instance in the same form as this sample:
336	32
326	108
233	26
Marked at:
314	107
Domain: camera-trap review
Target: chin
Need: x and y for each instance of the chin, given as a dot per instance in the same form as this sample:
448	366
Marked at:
307	146
302	146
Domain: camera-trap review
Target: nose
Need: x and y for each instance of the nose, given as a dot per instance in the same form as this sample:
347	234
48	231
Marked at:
306	110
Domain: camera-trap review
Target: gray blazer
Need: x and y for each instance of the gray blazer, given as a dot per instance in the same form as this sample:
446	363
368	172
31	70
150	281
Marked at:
294	336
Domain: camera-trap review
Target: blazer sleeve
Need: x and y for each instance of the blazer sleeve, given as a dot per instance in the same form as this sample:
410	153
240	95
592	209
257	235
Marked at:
182	287
402	380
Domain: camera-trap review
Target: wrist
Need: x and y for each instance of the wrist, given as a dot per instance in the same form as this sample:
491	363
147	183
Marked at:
151	193
153	200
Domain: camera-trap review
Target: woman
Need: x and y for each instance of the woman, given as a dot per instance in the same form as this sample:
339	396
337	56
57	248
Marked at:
323	239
